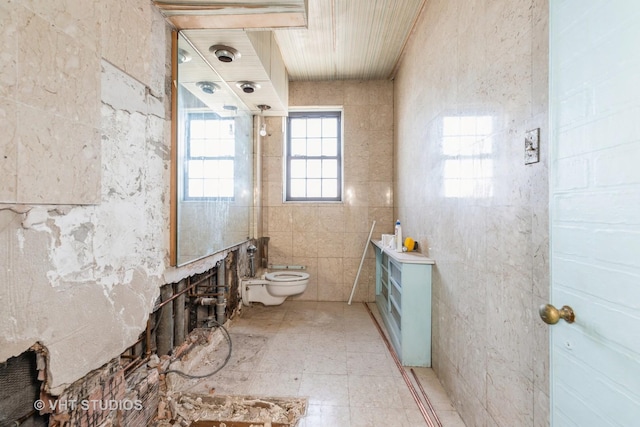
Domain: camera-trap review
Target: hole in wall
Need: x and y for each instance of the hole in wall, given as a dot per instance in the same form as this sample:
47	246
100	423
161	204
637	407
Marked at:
20	390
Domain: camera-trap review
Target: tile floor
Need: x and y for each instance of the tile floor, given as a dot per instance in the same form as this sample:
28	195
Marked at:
331	353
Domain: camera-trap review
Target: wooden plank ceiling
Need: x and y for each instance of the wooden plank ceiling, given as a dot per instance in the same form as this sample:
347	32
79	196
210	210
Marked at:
318	39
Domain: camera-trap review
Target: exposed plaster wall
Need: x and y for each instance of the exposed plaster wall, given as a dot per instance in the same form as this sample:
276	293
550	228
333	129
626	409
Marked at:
84	181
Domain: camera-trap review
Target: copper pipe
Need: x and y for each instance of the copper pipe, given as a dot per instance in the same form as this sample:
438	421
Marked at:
426	398
406	378
148	338
134	364
184	291
174	296
214	294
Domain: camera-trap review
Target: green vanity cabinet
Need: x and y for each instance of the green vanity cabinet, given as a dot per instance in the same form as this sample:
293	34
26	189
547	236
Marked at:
403	296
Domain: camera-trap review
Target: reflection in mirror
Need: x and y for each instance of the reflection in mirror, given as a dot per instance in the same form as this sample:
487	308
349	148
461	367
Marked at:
214	179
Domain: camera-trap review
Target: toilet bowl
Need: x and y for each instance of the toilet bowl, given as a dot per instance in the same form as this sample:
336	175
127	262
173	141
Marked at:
274	288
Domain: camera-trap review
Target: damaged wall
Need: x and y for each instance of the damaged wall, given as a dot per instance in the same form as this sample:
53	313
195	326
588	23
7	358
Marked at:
84	161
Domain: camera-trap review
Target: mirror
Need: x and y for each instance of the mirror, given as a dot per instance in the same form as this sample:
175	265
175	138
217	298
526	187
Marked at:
214	162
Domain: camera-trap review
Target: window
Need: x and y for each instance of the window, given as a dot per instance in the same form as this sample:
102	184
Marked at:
210	153
314	156
467	150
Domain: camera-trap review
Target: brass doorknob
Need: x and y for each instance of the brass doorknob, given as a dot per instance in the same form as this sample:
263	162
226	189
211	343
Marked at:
551	315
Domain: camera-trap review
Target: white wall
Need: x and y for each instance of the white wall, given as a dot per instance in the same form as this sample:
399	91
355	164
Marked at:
479	68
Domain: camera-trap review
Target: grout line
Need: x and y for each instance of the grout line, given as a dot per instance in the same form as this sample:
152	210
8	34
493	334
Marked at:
403	372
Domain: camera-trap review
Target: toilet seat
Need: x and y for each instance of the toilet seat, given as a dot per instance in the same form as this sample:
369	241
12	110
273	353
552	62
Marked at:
286	276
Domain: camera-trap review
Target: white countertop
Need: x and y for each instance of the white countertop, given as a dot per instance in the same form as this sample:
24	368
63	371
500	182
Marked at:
405	257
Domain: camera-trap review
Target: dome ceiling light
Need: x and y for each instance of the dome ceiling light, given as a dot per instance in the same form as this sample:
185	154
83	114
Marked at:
208	87
224	53
248	87
183	56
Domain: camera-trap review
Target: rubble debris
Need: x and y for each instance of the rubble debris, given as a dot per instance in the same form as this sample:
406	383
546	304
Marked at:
233	411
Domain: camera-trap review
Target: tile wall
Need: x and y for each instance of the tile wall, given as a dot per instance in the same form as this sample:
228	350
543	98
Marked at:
472	81
329	239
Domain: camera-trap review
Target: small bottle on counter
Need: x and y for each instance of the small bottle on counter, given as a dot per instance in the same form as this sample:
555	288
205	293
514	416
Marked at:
398	235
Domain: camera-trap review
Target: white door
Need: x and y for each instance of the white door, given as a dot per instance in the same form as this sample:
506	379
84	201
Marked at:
595	211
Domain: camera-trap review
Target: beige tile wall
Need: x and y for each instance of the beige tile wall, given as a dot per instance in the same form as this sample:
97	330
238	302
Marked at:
329	239
480	58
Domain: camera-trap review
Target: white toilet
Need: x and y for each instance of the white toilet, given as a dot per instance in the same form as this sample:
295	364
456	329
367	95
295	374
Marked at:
274	288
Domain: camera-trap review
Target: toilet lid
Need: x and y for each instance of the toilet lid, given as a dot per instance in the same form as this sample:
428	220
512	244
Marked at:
286	276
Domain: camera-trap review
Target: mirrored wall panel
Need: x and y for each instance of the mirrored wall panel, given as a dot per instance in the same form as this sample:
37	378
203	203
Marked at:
214	160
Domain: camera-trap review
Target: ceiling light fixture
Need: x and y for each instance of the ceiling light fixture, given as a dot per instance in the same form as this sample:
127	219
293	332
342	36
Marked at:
183	56
208	87
224	53
263	127
248	87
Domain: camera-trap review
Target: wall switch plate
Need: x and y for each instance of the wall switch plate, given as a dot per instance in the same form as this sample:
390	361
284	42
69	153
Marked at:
532	146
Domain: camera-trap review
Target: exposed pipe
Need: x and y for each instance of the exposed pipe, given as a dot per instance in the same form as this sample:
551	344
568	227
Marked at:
179	329
287	267
251	250
164	333
189	287
221	305
406	378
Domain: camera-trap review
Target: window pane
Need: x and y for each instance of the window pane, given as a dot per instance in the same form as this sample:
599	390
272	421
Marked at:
330	127
298	147
298	187
314	168
298	128
451	145
467	145
211	148
195	168
210	156
314	147
196	128
314	128
314	187
197	148
329	188
210	169
225	186
468	125
195	188
226	169
313	156
210	188
330	147
298	168
227	147
330	168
